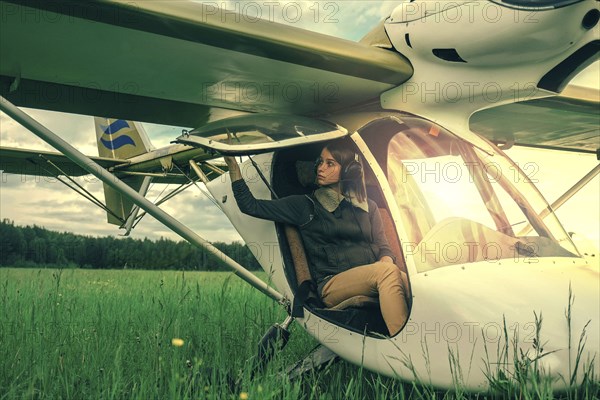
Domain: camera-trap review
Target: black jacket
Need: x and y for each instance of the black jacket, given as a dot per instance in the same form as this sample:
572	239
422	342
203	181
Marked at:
334	241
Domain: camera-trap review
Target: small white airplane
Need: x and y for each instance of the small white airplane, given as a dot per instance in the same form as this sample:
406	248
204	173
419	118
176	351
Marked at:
429	98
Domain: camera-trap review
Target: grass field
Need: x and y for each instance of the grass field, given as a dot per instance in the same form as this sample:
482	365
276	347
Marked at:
90	334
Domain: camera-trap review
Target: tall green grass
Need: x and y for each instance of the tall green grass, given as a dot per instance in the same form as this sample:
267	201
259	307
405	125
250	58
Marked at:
108	334
89	334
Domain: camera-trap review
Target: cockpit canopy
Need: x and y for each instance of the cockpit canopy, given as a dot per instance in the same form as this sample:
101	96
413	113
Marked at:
459	204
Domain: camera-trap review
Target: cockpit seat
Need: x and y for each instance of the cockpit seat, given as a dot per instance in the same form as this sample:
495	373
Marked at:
303	272
356	312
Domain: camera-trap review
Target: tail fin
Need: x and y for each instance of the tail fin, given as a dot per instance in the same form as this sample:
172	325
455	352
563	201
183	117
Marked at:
118	138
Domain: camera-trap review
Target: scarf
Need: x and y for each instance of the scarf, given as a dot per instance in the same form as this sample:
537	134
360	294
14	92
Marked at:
330	199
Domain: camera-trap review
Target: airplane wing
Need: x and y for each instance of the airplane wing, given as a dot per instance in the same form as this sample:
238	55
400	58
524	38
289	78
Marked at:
45	163
569	122
177	63
174	62
51	164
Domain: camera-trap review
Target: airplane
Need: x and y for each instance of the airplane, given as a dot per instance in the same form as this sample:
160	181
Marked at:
430	99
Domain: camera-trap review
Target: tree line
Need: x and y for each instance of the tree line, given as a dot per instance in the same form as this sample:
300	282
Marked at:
34	246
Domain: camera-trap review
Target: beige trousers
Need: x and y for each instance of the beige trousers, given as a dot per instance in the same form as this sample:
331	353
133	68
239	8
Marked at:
379	280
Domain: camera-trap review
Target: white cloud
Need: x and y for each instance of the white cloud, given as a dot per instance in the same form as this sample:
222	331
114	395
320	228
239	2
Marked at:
45	202
347	19
78	130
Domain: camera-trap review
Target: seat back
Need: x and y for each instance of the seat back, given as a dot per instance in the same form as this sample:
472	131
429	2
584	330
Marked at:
303	271
298	254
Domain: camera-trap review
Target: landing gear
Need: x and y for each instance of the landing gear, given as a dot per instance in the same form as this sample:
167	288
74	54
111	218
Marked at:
319	358
275	339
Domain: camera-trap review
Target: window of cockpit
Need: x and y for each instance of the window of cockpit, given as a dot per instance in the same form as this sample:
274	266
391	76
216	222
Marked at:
457	203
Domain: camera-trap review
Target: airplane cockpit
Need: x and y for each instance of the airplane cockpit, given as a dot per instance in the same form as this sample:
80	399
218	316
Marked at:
456	203
443	199
294	173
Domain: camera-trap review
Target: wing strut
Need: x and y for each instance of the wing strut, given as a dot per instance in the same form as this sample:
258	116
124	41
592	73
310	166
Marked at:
576	188
77	188
128	225
565	197
111	180
167	197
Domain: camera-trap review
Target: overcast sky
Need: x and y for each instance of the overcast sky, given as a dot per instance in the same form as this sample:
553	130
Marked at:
42	201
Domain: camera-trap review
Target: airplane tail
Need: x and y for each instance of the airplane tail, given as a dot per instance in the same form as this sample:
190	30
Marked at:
121	139
118	138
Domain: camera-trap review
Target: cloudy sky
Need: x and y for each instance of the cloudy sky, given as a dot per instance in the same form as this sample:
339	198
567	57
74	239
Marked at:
42	201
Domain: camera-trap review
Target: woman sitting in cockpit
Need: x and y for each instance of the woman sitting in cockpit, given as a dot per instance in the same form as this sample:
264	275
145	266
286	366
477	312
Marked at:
342	231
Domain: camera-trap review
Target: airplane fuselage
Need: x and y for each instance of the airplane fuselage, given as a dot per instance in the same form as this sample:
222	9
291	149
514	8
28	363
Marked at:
484	298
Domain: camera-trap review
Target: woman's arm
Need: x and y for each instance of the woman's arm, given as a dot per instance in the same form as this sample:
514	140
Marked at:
295	210
234	169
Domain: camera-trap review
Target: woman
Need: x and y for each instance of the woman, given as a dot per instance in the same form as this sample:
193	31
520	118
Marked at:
342	232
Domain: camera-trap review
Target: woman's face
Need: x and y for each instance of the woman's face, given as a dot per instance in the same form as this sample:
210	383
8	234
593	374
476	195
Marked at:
328	170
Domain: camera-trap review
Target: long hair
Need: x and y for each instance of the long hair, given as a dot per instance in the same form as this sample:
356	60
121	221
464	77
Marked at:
344	153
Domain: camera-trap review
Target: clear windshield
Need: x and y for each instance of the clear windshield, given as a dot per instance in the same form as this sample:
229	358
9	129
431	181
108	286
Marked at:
459	204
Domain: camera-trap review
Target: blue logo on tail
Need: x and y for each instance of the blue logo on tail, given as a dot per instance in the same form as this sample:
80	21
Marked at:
113	129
